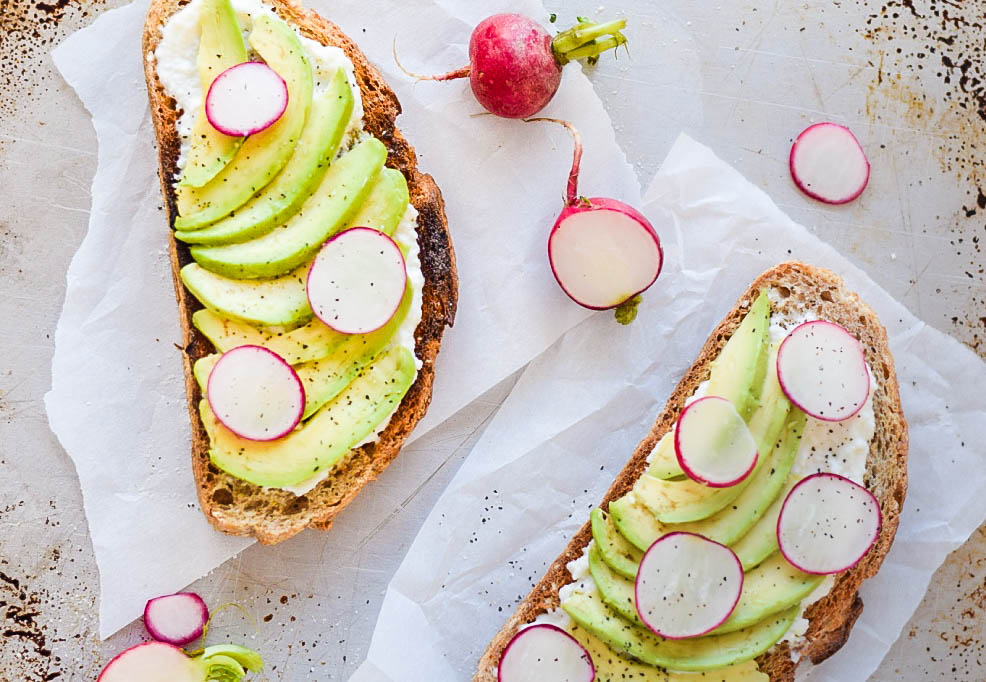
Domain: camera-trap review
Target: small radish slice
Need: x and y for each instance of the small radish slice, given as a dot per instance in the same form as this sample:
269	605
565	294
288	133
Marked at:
357	281
245	99
152	662
713	443
176	618
822	369
827	524
828	163
256	394
545	653
687	585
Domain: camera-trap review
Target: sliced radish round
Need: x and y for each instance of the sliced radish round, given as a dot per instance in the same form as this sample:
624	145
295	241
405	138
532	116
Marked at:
545	653
152	662
245	99
713	444
828	163
256	394
357	281
822	369
176	618
687	585
603	252
827	524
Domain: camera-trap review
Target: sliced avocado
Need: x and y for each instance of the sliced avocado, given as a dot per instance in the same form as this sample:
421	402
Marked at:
664	460
761	540
324	439
385	205
614	549
635	522
309	342
617	591
772	587
263	155
269	302
283	197
336	198
686	655
203	368
220	47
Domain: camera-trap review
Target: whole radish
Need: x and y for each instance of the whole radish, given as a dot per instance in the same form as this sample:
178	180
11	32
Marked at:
515	65
603	252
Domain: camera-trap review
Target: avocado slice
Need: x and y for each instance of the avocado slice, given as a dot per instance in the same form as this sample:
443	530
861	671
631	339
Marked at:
269	302
687	655
635	522
203	368
614	549
385	205
282	198
263	155
324	439
618	592
761	540
309	342
220	47
337	197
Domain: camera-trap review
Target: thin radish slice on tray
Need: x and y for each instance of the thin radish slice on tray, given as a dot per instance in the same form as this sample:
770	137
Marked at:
827	524
828	163
161	662
245	99
713	444
545	653
687	585
822	369
256	394
357	281
176	618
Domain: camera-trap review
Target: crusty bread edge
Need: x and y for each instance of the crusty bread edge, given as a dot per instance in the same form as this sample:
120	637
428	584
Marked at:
281	514
831	618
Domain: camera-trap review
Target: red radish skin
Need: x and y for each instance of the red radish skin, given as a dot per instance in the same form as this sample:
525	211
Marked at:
176	618
838	541
556	657
691	443
242	390
246	99
515	65
828	164
664	558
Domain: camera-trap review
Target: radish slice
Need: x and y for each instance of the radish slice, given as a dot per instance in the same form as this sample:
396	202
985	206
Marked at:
256	394
152	662
687	585
603	252
828	163
245	99
822	369
827	524
714	444
545	653
176	618
357	281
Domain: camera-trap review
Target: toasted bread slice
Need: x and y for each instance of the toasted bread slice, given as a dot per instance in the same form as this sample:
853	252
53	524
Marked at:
235	506
804	288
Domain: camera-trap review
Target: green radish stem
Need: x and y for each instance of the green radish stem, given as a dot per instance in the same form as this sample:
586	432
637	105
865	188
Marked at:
588	40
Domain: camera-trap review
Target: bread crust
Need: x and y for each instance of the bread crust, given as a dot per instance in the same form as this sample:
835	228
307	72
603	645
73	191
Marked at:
823	293
240	508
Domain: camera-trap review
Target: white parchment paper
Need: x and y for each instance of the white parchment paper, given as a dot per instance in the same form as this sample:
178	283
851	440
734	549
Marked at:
579	409
117	401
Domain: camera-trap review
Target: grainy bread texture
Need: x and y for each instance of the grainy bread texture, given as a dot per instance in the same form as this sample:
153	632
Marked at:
804	289
235	506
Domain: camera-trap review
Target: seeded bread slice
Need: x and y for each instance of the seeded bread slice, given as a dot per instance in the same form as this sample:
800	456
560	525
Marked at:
803	289
235	506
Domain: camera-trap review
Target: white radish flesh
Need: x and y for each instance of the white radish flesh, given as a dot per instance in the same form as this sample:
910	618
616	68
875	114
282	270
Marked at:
176	618
545	653
828	163
687	585
827	524
357	281
245	99
152	662
821	368
256	394
713	444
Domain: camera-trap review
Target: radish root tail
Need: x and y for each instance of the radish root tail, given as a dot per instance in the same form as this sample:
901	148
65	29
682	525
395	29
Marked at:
451	75
572	194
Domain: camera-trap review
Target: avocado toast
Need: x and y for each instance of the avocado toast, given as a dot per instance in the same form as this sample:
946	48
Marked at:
783	615
249	214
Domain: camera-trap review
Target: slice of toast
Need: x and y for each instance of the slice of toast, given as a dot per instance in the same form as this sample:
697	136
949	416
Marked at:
235	506
803	288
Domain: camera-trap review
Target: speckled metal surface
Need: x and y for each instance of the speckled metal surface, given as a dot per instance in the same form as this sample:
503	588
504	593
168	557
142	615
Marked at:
744	77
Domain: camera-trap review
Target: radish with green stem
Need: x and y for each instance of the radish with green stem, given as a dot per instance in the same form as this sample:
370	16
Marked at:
515	65
603	252
162	662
